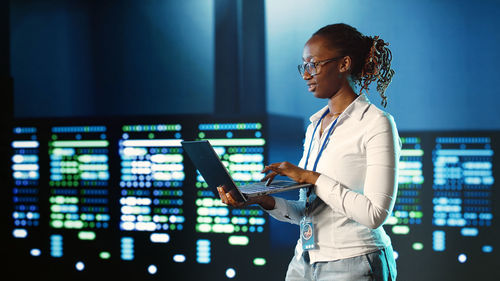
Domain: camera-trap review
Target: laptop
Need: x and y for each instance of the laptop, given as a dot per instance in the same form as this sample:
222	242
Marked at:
208	163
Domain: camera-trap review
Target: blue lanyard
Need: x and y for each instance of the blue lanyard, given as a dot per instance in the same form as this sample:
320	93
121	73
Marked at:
320	151
324	142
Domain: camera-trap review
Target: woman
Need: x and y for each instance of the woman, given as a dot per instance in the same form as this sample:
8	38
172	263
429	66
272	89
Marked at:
351	155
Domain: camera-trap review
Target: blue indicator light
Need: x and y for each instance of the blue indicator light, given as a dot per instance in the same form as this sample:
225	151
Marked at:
127	248
469	231
56	246
487	249
203	251
438	241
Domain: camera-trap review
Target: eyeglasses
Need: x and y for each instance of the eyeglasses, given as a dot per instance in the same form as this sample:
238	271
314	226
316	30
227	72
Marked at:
312	67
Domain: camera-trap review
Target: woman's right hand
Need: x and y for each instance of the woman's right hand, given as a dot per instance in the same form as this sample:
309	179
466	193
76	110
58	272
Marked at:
265	201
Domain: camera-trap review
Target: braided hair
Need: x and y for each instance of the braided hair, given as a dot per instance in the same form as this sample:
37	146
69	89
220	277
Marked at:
371	59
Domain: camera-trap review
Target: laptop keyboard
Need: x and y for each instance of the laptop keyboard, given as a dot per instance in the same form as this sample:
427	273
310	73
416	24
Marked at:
261	186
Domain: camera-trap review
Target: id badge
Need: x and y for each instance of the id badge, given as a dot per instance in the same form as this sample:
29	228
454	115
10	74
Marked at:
307	234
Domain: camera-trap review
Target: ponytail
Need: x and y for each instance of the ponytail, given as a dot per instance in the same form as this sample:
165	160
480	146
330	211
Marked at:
377	66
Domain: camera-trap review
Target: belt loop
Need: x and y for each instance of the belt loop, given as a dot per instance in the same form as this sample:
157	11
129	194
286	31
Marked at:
305	254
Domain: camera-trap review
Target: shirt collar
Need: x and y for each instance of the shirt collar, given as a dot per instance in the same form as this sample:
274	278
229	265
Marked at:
356	109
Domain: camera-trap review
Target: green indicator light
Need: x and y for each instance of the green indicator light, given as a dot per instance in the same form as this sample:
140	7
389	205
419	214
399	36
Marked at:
79	143
259	261
151	135
415	214
57	224
203	227
392	220
418	180
401	229
201	135
104	255
223	228
158	218
86	235
417	246
412	152
56	216
412	140
238	240
73	224
258	126
204	220
207	202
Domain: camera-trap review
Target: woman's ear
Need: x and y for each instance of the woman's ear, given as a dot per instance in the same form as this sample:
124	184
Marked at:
345	64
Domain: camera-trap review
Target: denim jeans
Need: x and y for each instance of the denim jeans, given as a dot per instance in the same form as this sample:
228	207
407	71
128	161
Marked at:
376	266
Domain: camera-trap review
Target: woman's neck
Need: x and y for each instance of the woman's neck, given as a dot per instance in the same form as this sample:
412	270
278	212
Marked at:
339	102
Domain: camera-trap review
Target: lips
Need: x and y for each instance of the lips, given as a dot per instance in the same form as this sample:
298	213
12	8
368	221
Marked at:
311	87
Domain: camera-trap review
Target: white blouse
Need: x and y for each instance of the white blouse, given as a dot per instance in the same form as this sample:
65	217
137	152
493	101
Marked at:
357	186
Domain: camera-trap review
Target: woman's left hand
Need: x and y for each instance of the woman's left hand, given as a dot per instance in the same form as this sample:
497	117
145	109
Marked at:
290	170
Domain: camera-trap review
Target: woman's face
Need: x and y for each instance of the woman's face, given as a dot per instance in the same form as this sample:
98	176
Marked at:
328	80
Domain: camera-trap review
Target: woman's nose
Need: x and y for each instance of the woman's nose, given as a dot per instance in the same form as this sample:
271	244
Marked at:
306	76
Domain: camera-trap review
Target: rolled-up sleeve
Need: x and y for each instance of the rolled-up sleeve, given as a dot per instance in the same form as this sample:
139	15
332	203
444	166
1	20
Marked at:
371	207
